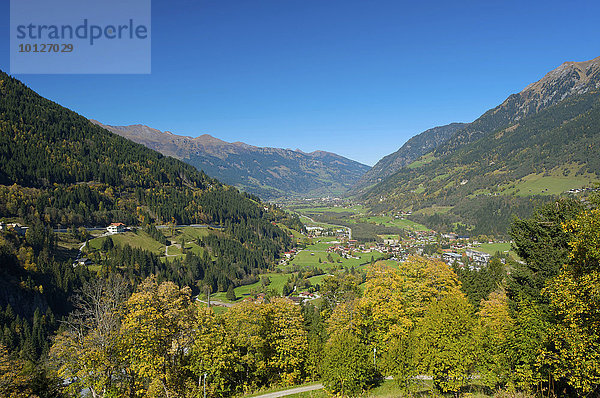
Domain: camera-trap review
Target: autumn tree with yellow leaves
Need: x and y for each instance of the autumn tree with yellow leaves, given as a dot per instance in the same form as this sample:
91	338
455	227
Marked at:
156	332
574	295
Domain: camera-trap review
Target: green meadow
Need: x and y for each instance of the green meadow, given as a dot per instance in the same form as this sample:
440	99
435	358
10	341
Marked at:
141	240
138	239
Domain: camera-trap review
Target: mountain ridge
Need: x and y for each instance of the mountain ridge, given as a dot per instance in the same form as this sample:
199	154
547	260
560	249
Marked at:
265	171
410	151
569	78
542	141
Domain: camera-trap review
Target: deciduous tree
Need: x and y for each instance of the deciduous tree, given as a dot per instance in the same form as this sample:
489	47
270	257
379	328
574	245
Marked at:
156	333
87	352
348	367
446	348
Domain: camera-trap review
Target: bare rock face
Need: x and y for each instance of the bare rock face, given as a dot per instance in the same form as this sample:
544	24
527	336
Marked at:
569	79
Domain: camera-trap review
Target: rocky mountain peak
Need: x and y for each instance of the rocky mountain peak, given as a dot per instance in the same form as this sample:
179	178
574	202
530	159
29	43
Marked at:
570	78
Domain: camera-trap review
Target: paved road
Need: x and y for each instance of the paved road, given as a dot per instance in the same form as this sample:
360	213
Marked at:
292	391
191	225
64	230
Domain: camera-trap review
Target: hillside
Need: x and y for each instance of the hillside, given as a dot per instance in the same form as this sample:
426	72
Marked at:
267	172
541	142
413	149
58	170
570	79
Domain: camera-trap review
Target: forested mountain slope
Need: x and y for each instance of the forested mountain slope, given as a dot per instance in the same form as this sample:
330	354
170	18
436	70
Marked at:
57	169
413	149
547	143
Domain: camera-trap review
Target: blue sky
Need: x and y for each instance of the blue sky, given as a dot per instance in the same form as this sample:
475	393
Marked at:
353	77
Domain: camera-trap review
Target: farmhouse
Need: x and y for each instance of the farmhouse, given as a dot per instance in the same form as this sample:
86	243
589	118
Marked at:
82	261
116	228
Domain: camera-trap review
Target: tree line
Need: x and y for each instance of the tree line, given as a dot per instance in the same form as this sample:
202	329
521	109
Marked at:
527	327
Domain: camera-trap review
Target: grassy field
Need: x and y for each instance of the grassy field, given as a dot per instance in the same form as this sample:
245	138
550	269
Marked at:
317	279
427	158
492	248
553	184
310	256
174	251
190	233
306	258
278	280
395	222
356	215
356	209
141	240
138	239
297	235
308	222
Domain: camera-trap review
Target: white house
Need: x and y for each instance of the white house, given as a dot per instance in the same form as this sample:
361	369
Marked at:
82	262
18	229
116	228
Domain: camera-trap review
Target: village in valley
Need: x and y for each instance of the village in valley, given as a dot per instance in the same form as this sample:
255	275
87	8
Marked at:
320	251
326	249
449	247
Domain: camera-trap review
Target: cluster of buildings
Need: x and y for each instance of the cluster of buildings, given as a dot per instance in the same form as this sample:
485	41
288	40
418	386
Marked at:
579	190
476	259
347	250
394	247
341	233
290	253
13	227
304	297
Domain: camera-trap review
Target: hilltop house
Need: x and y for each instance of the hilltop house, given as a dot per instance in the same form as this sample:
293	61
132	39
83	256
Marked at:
116	228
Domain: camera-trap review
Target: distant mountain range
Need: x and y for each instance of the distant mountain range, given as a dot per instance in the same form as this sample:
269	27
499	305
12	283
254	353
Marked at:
267	172
541	141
